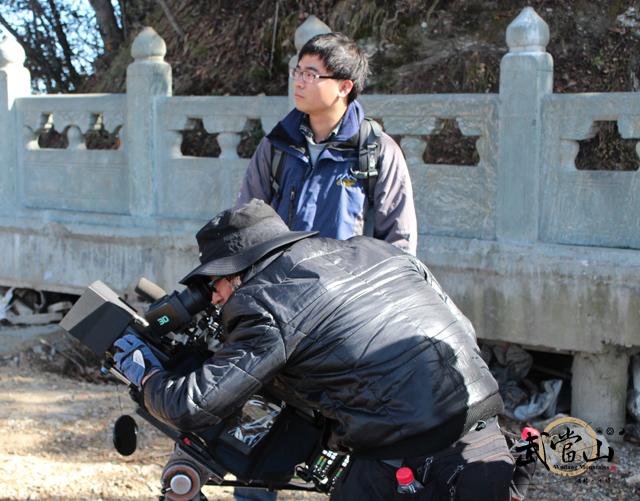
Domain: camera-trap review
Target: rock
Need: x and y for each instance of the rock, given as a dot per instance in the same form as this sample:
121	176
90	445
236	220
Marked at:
633	479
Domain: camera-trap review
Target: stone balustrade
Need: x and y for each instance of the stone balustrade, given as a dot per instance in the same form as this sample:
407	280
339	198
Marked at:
73	177
453	200
533	250
200	186
588	207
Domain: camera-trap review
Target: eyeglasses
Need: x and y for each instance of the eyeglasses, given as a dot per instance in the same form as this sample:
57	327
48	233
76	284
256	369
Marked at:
309	76
212	284
216	280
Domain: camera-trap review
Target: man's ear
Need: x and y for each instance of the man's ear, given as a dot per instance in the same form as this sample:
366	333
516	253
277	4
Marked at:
345	87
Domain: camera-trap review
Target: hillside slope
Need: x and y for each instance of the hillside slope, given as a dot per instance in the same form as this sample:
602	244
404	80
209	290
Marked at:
415	46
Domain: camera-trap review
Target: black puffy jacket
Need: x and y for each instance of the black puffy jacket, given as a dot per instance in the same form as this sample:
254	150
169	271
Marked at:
355	329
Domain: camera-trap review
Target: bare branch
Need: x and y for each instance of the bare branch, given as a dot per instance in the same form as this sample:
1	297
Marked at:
171	19
64	43
123	18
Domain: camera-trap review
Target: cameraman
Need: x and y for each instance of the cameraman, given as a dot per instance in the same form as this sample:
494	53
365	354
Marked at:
355	329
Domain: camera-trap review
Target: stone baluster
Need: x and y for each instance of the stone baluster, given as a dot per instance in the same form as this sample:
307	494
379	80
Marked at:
412	131
413	148
526	77
305	32
629	128
15	81
75	138
148	78
228	129
228	142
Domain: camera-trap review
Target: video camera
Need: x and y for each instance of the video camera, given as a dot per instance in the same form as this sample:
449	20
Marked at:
263	445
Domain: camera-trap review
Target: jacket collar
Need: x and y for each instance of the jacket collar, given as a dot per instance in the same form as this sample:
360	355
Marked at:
288	130
262	264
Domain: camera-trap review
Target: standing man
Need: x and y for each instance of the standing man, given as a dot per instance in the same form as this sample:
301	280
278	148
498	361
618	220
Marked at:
357	330
308	168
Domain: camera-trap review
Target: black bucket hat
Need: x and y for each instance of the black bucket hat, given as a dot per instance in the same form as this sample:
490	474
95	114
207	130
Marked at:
237	238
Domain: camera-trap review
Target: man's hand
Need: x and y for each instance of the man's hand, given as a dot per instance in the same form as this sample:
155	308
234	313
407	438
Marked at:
134	359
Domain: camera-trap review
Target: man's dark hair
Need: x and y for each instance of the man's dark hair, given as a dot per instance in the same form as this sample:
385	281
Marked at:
342	57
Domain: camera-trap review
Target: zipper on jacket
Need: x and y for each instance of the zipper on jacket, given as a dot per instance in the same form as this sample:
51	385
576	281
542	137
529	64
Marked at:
452	482
292	199
425	469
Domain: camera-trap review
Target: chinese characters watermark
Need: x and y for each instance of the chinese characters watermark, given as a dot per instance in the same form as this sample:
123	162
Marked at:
568	446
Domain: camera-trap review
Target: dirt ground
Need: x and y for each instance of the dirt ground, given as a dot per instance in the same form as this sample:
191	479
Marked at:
55	442
56	445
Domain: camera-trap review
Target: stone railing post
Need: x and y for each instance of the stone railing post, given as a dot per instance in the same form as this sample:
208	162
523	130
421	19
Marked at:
599	389
526	77
15	81
148	77
305	32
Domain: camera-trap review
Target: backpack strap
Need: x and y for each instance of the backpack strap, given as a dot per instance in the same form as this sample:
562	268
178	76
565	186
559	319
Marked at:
368	156
367	169
277	163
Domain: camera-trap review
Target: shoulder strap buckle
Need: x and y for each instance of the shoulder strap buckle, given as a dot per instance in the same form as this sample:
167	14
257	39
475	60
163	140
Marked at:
368	156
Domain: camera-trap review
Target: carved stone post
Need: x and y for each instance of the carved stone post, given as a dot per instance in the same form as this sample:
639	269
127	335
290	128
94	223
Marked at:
599	390
15	81
148	77
526	77
305	32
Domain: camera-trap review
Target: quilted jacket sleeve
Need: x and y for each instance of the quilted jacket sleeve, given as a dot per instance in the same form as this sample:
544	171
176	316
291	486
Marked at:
252	352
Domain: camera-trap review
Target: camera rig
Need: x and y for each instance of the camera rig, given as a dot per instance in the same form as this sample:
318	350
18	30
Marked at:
264	445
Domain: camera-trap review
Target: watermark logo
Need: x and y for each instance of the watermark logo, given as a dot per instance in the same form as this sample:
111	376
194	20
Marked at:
568	447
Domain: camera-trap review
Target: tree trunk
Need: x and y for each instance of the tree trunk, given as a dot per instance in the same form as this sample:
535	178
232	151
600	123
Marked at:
110	33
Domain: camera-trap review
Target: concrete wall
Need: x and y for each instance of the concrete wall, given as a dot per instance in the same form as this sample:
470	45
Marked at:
533	250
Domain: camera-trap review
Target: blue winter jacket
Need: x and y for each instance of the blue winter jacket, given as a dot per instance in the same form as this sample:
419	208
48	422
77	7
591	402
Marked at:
326	197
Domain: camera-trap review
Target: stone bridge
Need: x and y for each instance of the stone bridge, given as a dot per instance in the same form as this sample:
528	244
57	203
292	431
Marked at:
534	251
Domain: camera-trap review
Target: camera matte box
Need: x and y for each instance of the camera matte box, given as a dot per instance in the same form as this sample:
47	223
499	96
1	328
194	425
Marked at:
98	318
